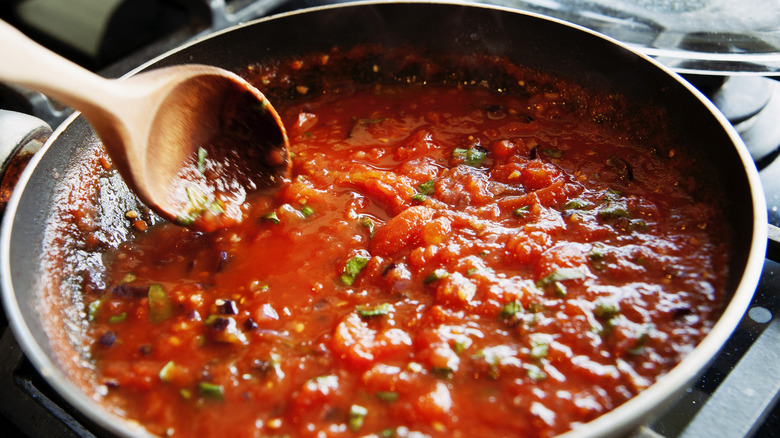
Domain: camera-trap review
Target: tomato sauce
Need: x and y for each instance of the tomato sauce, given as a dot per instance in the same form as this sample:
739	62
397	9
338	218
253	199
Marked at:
446	261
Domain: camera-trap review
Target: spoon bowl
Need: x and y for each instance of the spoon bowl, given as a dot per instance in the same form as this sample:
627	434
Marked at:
192	141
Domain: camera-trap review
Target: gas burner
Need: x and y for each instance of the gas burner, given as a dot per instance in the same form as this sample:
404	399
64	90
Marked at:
752	105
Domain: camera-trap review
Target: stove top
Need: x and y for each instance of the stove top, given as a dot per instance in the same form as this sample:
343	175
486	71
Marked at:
736	396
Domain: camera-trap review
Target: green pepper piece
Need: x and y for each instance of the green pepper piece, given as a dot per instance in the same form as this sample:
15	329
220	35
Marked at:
201	160
427	188
211	390
437	274
578	204
535	373
357	414
272	217
521	211
614	210
117	318
366	221
160	306
561	274
510	309
307	211
353	268
93	309
606	308
378	310
471	157
552	152
460	345
387	396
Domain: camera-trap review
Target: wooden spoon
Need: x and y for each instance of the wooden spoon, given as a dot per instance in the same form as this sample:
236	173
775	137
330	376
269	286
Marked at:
191	141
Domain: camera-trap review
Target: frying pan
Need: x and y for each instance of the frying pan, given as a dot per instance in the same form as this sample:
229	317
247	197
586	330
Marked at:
46	313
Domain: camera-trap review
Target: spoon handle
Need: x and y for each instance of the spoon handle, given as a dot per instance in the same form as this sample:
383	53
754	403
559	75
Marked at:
29	64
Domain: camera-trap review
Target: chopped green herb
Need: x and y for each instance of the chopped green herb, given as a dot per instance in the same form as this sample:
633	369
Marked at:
307	211
117	318
216	207
160	306
387	396
643	335
438	274
92	310
461	344
596	256
196	197
353	268
387	433
612	195
201	160
510	309
596	253
442	372
198	204
366	221
606	308
614	210
185	220
494	357
535	373
639	224
521	211
578	204
552	152
535	307
186	394
378	310
558	275
211	319
540	345
211	390
419	197
272	217
471	157
357	414
427	188
539	351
